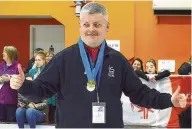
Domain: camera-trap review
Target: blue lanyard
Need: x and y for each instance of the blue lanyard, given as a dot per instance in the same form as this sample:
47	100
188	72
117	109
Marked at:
4	69
99	72
91	73
99	77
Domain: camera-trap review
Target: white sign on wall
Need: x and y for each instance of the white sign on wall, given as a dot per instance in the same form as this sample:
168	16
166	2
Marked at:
166	65
172	4
115	44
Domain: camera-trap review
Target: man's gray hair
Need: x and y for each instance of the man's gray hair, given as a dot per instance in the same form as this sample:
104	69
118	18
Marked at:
94	8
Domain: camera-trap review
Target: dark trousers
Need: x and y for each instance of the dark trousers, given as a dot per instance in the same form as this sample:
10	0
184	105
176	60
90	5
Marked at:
7	112
185	118
52	113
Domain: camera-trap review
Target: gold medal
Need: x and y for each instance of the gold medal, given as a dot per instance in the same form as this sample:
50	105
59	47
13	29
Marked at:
91	85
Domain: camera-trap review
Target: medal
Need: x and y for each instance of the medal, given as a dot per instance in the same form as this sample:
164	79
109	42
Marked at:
92	70
91	85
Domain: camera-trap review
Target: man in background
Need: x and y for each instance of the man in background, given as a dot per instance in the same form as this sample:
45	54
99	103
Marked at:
185	116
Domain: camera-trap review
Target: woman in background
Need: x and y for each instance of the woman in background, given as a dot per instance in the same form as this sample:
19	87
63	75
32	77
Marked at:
137	64
151	69
49	56
32	60
32	111
8	96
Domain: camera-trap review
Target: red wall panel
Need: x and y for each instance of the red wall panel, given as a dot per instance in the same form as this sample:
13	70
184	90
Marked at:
16	32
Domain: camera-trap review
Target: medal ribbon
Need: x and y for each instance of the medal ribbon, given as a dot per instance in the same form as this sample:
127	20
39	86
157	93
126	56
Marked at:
91	73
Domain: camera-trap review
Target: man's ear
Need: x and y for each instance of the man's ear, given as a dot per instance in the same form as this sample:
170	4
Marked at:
107	26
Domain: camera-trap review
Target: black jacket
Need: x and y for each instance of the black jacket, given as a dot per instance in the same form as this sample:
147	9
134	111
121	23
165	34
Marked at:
65	75
30	65
185	116
40	105
159	76
184	69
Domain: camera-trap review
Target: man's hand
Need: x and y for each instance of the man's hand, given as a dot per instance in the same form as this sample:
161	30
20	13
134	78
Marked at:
16	81
179	100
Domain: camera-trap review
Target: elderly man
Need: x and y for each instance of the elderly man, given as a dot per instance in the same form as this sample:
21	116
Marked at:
89	78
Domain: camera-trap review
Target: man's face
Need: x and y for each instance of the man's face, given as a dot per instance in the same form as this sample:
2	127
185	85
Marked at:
93	29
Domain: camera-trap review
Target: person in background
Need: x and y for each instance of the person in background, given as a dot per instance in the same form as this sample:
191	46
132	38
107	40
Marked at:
185	116
52	100
40	62
137	64
185	68
32	60
151	69
30	110
8	96
49	56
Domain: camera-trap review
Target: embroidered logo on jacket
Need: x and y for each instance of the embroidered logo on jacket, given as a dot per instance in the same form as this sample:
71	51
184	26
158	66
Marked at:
111	72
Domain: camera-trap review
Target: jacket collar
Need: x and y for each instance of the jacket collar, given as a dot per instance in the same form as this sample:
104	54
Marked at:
15	62
106	50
